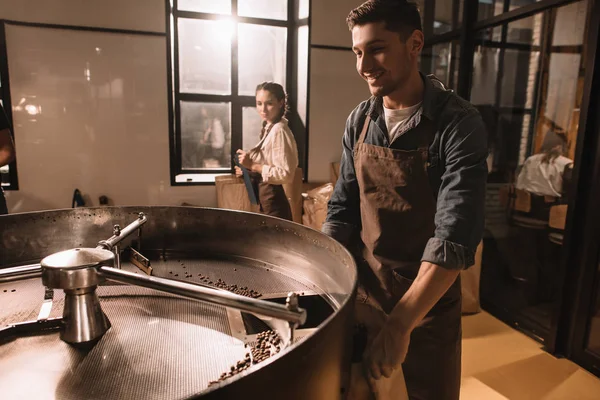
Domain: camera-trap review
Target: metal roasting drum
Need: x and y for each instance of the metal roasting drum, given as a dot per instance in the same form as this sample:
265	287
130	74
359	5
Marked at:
171	303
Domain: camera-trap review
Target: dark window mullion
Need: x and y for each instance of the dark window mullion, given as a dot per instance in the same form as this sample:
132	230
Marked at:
245	20
206	98
290	55
503	42
508	45
6	99
236	107
541	83
427	52
174	161
521	13
247	101
442	37
455	13
176	92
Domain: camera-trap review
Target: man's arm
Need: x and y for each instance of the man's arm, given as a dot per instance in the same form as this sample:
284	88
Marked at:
343	209
459	223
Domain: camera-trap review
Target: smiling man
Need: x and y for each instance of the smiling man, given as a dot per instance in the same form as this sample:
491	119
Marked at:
409	203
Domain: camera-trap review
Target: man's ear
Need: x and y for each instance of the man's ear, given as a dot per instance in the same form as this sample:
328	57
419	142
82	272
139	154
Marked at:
416	42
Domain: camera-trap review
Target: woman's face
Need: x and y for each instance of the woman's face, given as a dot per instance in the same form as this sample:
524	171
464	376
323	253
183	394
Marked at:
267	105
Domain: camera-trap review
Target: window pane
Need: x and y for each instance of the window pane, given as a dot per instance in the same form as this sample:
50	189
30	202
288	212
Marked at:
523	31
532	127
489	8
302	72
562	89
514	4
262	56
205	56
271	9
442	55
518	82
205	135
206	6
252	125
485	73
443	16
526	30
303	8
570	24
455	67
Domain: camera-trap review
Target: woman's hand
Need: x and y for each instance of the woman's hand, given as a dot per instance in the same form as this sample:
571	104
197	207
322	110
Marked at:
244	159
238	171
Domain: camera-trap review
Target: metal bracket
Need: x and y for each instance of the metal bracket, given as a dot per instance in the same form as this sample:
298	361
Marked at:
137	259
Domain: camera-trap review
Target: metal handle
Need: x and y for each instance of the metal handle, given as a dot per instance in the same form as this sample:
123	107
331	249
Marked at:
219	297
121	234
19	273
35	270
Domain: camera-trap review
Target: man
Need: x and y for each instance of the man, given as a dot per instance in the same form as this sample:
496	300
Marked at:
412	184
7	153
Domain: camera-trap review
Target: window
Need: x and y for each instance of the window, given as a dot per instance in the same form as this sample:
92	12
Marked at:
8	173
220	51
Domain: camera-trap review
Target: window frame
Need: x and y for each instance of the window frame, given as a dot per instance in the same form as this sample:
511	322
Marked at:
13	181
205	176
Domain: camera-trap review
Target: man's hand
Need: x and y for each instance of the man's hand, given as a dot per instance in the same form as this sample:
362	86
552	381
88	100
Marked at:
387	352
244	159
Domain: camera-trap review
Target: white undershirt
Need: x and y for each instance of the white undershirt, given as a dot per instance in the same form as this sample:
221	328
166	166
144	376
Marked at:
395	119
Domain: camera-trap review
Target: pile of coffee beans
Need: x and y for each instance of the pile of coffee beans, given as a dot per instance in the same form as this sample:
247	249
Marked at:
219	283
267	344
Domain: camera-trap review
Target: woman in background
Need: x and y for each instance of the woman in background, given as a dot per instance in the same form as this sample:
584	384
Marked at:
273	161
542	174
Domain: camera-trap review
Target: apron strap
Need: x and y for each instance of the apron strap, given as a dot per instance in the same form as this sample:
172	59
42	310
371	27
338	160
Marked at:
365	128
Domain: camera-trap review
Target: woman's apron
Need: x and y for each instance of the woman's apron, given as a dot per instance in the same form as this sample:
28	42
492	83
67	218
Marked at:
397	207
272	198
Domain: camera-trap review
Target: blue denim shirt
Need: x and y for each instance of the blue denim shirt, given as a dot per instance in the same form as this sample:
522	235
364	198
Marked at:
457	172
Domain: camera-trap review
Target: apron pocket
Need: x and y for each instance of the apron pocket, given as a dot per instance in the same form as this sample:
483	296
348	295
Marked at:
400	285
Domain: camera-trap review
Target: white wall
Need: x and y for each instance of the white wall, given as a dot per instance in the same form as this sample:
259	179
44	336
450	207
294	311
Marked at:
109	135
335	90
142	15
106	135
335	86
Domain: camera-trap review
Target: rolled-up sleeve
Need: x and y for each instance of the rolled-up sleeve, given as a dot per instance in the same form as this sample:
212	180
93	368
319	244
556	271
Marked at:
284	158
459	218
343	210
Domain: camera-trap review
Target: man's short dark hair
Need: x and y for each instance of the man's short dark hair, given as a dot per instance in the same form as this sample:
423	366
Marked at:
399	16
